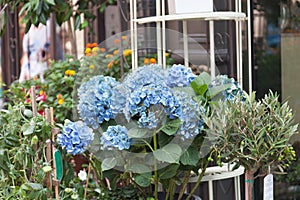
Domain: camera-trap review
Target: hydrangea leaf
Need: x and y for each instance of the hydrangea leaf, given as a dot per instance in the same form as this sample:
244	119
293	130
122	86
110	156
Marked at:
168	172
139	168
214	91
143	180
108	163
200	83
169	153
171	127
190	157
136	133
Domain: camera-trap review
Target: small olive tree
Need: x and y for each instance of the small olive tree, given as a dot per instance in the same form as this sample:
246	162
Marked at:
254	134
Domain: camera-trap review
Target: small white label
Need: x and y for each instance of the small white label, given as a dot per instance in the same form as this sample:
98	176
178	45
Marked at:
268	187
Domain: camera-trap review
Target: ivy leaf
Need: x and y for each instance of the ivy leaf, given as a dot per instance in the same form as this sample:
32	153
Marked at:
169	153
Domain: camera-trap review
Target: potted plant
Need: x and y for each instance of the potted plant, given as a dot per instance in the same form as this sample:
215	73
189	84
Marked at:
254	134
147	130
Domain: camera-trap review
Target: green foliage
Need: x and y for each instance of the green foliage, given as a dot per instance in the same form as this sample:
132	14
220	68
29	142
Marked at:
36	11
253	133
22	154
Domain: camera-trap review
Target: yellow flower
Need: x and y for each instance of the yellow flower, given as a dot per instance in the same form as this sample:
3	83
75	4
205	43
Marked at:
88	50
127	52
110	64
167	54
124	37
67	72
116	62
72	72
92	66
146	61
35	78
116	52
109	56
95	49
41	92
152	60
60	101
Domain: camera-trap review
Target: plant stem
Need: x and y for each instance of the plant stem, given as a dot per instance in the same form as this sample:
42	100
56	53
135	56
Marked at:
184	184
155	168
249	183
198	181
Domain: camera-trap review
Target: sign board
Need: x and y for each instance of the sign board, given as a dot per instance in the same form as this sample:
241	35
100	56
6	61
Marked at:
268	187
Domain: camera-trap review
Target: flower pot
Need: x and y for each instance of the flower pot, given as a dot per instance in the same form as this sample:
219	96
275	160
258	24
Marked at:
189	6
162	196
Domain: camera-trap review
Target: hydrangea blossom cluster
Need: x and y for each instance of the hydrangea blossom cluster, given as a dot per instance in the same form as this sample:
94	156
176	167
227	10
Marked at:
191	124
179	76
144	76
95	99
233	91
75	137
141	101
117	137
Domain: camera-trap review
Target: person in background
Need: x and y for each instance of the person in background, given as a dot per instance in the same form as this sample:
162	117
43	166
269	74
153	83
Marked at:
36	43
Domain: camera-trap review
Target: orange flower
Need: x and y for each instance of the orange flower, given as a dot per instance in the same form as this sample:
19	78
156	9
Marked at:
146	61
88	45
116	52
116	62
59	96
35	78
110	64
152	60
116	41
94	44
88	54
60	101
42	92
102	50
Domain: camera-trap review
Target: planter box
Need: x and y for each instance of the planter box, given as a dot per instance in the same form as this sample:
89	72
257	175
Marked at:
189	6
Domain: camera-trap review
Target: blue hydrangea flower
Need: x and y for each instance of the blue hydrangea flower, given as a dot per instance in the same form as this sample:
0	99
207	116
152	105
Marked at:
151	102
116	136
145	75
95	100
179	76
75	137
233	89
191	123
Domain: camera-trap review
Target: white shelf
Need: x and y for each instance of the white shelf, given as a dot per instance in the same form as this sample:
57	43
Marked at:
228	15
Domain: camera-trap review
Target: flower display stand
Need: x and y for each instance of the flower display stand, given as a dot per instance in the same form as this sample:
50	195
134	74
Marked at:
217	173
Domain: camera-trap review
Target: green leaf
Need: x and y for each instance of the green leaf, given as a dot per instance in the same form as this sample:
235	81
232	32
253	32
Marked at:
77	22
139	168
171	127
108	163
51	2
28	128
144	180
168	172
35	186
84	24
200	83
214	91
169	153
190	157
136	133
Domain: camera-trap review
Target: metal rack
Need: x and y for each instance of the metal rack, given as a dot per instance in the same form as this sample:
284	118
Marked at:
160	19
